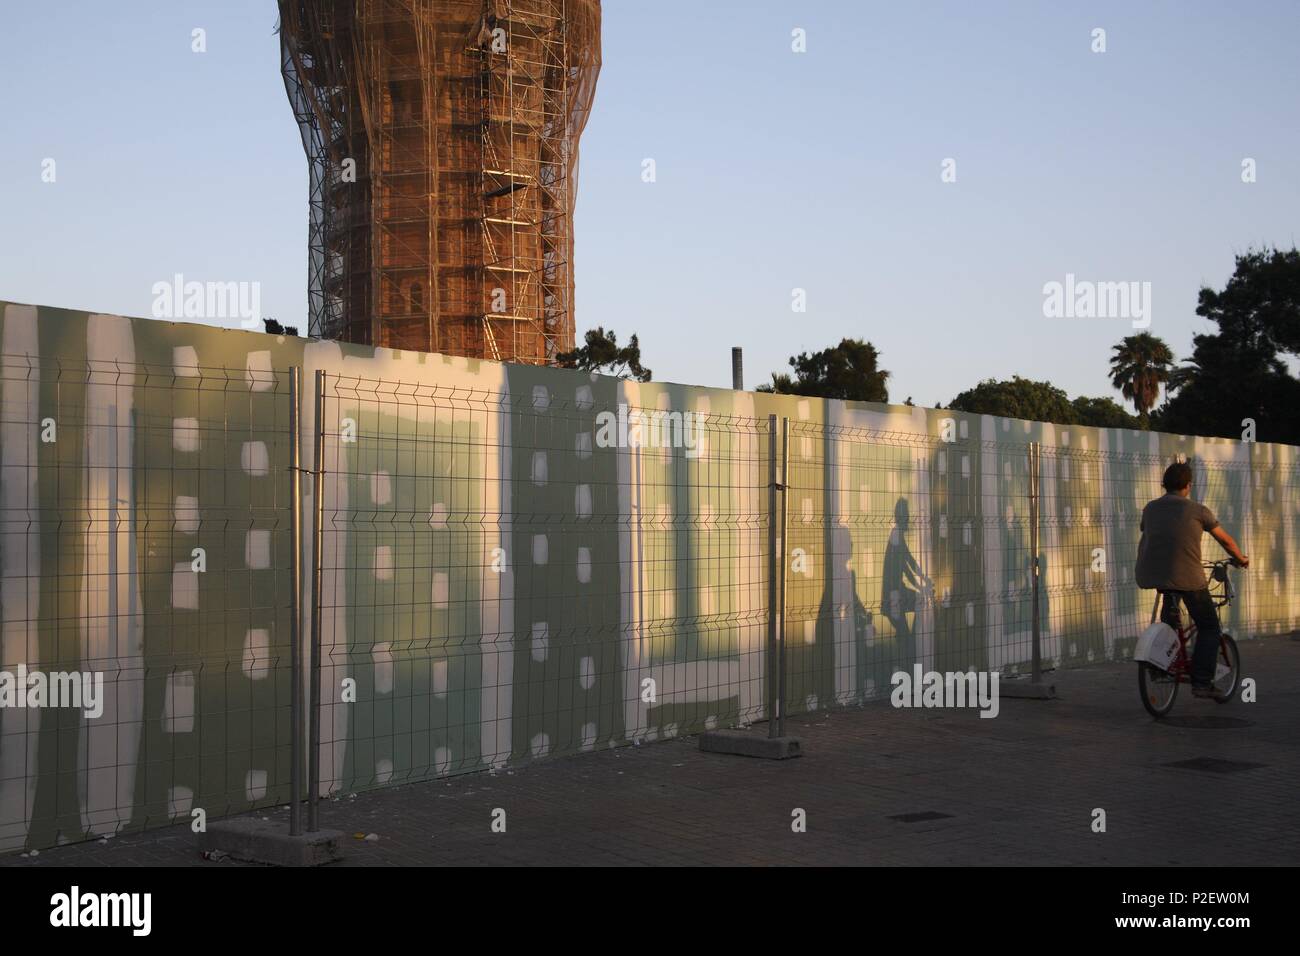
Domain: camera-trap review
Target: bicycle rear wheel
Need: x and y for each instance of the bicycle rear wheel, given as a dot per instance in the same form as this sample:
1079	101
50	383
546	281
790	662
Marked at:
1158	689
1228	670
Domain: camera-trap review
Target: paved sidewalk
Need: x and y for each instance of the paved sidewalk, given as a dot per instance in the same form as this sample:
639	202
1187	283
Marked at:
1018	789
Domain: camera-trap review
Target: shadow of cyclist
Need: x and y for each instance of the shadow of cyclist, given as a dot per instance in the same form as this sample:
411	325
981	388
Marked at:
900	582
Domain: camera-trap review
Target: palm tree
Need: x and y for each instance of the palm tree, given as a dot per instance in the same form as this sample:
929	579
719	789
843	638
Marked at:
1140	365
1181	376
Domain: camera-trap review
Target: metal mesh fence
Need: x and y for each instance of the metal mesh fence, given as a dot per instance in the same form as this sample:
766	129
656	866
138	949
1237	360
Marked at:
500	580
543	564
515	575
144	554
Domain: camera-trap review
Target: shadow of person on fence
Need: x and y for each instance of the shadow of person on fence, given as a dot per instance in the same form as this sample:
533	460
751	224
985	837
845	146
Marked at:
836	607
900	583
866	681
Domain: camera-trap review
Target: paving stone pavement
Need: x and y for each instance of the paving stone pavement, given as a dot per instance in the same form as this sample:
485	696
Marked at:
1018	789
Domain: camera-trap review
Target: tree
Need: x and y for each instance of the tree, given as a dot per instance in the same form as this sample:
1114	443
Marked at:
601	352
1103	413
1259	308
1017	398
1040	402
1140	365
849	371
1181	375
1237	372
272	327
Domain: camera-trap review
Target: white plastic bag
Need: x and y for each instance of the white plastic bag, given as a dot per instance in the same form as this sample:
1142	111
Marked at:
1158	645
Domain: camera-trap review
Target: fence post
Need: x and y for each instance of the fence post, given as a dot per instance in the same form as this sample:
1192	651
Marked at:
318	533
295	602
772	605
774	745
1037	668
776	579
1034	687
785	564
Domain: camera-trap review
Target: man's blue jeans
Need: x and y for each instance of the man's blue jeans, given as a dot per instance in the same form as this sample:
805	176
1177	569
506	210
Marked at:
1201	606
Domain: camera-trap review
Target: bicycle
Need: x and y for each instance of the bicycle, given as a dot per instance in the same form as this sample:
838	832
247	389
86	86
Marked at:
1159	685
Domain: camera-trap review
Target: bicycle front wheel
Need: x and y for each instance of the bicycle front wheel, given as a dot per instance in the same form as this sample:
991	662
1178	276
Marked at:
1227	675
1158	689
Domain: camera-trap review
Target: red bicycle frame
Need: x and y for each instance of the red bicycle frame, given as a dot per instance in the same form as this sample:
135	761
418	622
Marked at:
1180	668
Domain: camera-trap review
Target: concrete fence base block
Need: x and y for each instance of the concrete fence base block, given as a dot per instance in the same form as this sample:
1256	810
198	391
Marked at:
268	841
1017	687
746	744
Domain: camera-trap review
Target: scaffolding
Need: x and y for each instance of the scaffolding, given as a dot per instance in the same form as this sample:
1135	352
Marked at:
442	149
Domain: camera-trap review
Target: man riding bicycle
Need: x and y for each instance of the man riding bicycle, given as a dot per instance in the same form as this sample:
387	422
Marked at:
1169	560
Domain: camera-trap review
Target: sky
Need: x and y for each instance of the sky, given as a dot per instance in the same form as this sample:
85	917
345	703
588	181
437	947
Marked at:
775	170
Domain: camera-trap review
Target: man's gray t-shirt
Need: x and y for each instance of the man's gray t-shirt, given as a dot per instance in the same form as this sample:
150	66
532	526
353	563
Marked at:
1169	554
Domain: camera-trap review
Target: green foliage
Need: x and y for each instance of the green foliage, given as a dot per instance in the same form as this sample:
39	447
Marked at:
1238	372
1140	365
1017	398
601	353
1103	413
1041	402
849	371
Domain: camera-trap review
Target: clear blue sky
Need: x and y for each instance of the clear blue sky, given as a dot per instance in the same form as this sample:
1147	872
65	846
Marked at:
775	170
